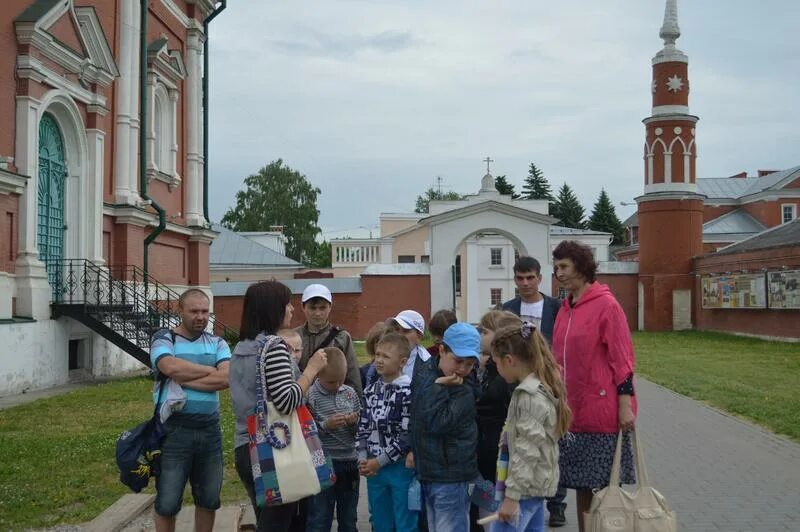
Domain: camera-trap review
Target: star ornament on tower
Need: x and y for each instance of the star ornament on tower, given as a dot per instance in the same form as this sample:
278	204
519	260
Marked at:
675	83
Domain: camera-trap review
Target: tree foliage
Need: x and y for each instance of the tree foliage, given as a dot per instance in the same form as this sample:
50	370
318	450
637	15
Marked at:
536	185
504	187
568	209
321	257
604	218
279	195
423	201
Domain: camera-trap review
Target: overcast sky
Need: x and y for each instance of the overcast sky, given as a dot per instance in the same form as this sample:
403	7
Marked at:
372	100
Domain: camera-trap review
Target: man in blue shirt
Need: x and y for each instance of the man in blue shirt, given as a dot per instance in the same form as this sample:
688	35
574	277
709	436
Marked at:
192	447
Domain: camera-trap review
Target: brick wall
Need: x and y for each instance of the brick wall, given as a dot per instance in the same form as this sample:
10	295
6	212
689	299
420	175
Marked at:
9	231
767	322
625	288
381	297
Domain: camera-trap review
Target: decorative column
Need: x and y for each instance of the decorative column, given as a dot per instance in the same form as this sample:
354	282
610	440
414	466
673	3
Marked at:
33	290
194	126
471	277
128	69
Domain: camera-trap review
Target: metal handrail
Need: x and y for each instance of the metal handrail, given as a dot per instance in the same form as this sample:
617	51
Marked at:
124	298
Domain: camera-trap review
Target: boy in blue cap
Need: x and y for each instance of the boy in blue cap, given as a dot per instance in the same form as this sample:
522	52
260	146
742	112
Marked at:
443	429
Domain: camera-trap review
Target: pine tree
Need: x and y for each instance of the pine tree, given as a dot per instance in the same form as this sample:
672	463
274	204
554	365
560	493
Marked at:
604	218
536	185
568	209
504	187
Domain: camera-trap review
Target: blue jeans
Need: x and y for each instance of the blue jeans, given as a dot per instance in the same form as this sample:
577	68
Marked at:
190	451
343	496
447	506
388	499
529	519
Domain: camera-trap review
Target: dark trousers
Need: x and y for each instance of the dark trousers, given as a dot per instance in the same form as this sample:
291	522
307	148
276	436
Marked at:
557	500
342	496
290	517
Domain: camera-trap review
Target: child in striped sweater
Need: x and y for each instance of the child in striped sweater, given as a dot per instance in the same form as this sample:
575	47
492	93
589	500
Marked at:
335	407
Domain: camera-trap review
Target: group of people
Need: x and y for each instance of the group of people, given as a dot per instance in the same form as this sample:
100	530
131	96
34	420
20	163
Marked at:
532	398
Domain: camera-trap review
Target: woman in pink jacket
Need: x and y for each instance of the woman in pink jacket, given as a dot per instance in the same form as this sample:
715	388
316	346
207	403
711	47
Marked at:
592	344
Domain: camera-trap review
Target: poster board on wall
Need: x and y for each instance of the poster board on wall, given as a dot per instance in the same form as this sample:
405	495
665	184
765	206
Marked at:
784	289
741	291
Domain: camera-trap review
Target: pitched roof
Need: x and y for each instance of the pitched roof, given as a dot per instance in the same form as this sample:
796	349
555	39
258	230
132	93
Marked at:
725	187
232	250
736	221
632	220
737	187
781	235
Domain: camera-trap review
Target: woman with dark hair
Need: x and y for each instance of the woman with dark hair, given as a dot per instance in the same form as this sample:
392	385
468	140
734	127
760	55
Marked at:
592	345
267	309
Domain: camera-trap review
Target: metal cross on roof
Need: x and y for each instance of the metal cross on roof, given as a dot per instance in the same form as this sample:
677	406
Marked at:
487	161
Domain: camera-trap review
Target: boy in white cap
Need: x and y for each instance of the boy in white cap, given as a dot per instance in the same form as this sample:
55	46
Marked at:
411	324
318	333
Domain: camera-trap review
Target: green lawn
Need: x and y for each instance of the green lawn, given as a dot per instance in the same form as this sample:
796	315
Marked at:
56	455
748	377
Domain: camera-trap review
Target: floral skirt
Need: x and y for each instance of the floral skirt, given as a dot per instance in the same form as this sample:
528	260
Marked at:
585	460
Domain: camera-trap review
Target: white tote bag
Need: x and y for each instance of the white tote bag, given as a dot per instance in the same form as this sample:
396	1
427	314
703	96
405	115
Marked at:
614	509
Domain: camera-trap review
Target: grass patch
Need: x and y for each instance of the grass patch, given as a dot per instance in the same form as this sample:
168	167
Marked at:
57	454
751	378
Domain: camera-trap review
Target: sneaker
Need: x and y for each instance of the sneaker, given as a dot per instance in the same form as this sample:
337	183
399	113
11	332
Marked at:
557	518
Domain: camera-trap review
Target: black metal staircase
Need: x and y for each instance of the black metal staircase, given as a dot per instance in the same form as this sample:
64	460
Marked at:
122	304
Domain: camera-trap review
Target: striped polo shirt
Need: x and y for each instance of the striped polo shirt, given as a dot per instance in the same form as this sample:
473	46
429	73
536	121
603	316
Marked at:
206	350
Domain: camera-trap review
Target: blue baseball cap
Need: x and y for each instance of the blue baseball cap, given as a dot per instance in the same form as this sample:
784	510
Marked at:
463	340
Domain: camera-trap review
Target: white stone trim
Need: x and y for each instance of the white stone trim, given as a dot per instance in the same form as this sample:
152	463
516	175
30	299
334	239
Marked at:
793	207
206	6
670	117
670	110
95	41
11	183
31	68
670	56
675	191
176	12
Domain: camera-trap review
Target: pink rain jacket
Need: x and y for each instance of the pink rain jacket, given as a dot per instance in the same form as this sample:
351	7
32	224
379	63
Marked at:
592	344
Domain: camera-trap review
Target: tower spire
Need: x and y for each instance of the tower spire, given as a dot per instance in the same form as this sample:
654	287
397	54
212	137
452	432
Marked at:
670	31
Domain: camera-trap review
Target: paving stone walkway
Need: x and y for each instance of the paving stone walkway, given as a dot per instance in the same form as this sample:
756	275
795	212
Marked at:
719	473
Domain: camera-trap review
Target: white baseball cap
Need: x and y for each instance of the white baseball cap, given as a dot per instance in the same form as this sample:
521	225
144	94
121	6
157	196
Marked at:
317	290
411	319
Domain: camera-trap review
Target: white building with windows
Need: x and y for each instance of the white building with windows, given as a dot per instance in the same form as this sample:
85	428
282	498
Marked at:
469	246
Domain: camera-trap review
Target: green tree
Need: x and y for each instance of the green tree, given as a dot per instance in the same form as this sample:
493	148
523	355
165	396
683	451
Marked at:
432	194
504	187
568	208
279	195
604	218
536	185
322	255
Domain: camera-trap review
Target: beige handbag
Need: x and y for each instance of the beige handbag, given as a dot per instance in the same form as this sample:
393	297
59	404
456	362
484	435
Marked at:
614	509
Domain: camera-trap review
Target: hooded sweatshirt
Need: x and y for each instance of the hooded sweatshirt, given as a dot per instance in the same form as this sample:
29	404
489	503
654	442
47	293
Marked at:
592	344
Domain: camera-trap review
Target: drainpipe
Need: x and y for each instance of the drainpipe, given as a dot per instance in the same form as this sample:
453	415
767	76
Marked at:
162	215
219	9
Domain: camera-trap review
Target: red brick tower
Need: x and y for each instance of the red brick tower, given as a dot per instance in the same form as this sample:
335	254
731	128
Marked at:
671	210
